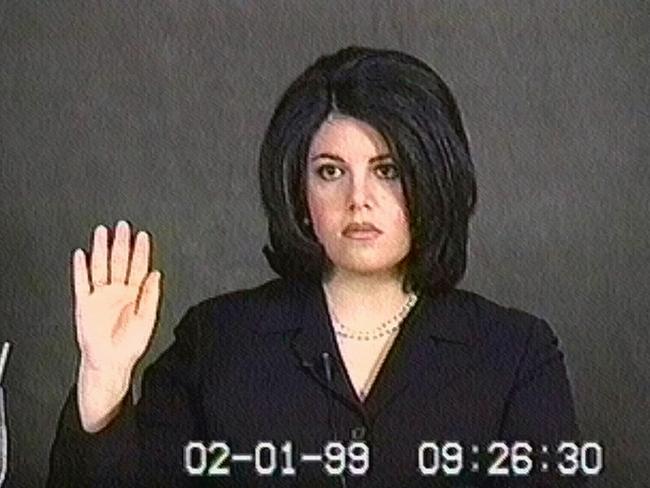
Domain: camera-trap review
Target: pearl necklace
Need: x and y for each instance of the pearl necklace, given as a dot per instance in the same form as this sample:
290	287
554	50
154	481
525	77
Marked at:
387	327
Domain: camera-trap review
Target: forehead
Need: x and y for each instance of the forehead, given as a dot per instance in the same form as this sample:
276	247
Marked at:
346	135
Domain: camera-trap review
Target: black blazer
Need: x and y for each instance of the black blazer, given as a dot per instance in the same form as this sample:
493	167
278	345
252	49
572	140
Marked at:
248	367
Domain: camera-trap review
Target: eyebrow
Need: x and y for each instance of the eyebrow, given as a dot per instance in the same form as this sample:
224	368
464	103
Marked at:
335	157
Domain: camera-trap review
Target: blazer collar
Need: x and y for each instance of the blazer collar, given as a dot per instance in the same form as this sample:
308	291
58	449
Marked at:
414	356
444	317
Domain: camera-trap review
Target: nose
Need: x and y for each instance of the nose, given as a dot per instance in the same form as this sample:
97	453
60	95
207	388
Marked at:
360	193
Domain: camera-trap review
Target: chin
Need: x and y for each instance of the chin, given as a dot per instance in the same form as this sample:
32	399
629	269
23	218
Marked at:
365	266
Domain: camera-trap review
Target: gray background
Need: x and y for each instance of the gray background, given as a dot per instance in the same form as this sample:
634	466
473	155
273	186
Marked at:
154	112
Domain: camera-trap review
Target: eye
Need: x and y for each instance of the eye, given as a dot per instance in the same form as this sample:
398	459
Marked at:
387	171
329	171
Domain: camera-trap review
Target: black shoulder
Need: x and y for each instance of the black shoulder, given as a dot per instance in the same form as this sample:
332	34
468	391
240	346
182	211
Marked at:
267	288
496	324
244	306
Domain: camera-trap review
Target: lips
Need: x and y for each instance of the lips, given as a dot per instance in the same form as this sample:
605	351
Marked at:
363	230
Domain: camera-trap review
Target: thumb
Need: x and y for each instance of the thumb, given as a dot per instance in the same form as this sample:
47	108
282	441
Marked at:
127	313
148	302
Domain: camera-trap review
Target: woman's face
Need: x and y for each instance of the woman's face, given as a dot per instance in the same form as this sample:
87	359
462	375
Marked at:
355	197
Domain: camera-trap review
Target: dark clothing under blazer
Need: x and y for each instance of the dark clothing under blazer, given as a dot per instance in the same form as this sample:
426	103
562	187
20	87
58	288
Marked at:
248	367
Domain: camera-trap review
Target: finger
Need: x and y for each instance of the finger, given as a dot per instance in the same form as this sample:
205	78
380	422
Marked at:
148	302
140	259
120	252
99	257
80	275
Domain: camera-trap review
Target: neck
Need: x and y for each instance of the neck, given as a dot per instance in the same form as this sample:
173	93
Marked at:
363	285
365	297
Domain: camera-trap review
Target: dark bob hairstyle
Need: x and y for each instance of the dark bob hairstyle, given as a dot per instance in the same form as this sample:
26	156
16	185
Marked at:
414	110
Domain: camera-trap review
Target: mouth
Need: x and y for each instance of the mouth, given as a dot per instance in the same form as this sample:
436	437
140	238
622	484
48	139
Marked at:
362	232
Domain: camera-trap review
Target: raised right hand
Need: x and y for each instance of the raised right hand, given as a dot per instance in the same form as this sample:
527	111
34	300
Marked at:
115	304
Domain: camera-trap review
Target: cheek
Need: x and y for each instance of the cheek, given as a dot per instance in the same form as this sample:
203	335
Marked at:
322	209
398	221
402	226
397	210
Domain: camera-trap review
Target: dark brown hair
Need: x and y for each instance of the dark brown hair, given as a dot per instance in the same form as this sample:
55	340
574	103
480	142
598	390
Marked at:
414	110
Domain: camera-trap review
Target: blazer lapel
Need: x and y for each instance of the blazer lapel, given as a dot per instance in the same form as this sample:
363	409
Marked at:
433	347
314	337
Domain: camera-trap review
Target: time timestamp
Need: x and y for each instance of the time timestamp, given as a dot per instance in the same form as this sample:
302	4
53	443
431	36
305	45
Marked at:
519	458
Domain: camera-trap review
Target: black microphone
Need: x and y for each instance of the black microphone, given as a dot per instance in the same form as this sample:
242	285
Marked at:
327	366
321	370
327	369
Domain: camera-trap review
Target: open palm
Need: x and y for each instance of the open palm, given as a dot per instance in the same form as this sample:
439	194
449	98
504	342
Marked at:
116	299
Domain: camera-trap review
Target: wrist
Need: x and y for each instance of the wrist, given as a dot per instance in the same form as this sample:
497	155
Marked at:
112	380
100	394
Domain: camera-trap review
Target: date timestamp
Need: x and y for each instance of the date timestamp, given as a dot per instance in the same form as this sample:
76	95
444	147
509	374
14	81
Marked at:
214	458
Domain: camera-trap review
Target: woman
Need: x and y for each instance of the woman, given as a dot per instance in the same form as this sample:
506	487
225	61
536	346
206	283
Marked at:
368	187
